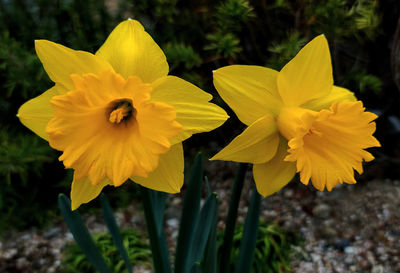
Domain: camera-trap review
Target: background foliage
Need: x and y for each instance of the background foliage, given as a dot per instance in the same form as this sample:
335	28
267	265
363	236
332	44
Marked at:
197	37
137	248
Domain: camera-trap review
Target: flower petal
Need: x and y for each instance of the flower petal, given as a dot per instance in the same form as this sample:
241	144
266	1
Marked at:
37	112
60	62
193	110
257	144
308	75
168	177
82	191
245	87
337	94
132	52
272	176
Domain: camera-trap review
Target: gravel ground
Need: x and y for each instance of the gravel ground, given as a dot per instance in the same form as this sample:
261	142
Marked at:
354	228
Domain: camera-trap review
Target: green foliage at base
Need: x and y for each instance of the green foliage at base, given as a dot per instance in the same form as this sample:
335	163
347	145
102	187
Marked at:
273	249
137	248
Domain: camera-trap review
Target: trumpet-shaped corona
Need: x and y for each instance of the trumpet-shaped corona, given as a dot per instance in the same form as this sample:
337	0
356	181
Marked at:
329	144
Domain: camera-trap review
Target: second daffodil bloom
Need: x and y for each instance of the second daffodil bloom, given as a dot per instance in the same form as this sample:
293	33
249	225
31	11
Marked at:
298	121
117	114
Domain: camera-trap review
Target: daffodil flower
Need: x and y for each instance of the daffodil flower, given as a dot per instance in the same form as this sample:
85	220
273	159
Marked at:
298	121
118	114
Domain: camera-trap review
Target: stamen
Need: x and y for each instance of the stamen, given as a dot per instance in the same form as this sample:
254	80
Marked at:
121	111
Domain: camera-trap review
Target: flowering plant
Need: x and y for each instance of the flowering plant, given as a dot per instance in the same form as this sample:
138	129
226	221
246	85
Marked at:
117	115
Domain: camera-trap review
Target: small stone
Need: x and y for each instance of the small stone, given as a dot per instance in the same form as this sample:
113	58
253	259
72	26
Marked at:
173	223
349	250
8	254
328	232
288	193
176	201
378	269
22	263
322	211
342	243
52	233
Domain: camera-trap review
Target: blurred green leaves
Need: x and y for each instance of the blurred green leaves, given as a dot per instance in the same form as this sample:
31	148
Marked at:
181	54
273	248
134	242
231	14
225	45
21	155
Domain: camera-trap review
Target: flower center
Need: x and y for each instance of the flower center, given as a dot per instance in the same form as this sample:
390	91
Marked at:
121	111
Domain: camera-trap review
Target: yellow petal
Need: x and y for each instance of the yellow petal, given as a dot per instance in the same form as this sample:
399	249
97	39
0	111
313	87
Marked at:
132	52
168	177
273	175
37	112
308	75
82	191
257	144
193	110
60	62
337	94
250	91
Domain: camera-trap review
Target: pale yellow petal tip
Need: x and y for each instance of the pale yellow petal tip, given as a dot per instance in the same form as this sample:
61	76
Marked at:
175	190
75	205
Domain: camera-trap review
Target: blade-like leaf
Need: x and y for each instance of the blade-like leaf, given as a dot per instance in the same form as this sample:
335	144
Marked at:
158	204
249	239
209	264
81	234
196	268
190	213
202	230
226	248
158	243
114	231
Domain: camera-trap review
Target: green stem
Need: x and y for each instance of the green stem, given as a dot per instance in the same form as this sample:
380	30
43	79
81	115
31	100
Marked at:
249	239
226	247
158	243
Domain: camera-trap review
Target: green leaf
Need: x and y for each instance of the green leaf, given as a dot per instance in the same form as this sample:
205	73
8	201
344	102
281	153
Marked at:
196	268
226	247
114	231
209	264
154	217
81	234
190	211
202	230
249	239
158	203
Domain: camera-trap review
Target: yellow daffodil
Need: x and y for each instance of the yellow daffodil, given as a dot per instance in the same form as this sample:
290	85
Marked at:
117	114
298	121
